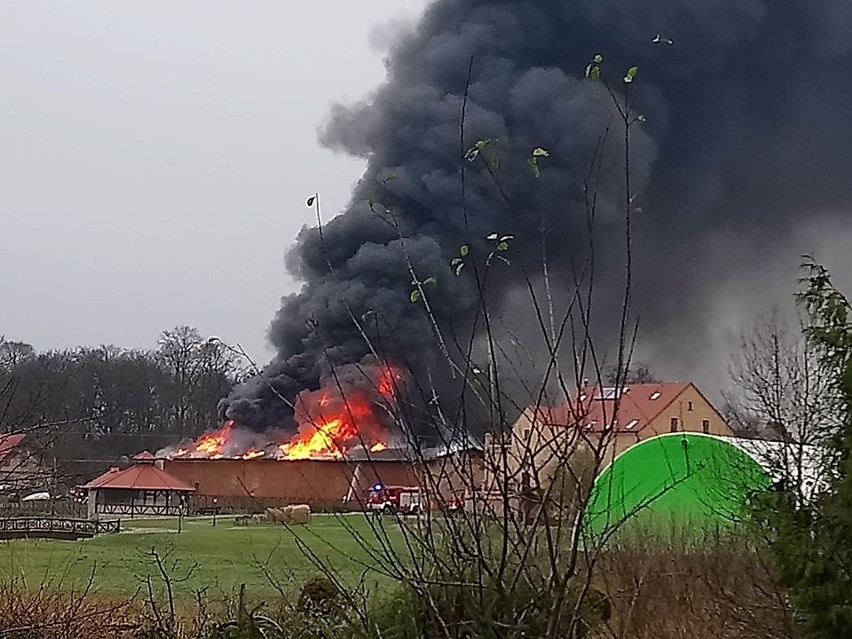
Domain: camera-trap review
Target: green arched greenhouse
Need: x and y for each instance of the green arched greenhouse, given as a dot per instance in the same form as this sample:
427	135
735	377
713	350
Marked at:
680	481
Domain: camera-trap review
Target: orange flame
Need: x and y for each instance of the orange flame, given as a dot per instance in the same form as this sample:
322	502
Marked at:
325	440
212	443
345	422
387	382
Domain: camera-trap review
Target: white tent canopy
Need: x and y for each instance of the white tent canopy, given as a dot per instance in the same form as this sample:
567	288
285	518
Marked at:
800	463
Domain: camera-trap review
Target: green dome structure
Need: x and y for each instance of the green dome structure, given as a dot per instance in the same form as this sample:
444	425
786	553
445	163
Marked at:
685	481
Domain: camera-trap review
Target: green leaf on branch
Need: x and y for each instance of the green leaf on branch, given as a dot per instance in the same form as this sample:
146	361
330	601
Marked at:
631	74
415	296
476	149
538	152
503	246
430	280
464	250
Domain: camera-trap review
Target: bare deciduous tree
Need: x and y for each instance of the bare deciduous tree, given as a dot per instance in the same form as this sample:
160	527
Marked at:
782	393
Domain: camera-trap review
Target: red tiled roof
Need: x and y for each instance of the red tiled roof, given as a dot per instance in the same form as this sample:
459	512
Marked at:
139	477
594	409
144	456
8	443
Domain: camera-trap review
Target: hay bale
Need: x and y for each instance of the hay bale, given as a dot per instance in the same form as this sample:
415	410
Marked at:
297	514
275	515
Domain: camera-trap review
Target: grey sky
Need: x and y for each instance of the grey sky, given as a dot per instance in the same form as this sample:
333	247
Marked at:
155	158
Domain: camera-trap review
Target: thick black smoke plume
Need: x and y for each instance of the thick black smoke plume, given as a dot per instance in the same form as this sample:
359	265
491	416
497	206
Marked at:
747	135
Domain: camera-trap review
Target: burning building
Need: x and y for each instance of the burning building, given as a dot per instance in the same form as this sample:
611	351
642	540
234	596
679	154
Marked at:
250	482
348	440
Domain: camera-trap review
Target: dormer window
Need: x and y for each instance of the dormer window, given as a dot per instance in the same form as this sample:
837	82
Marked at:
656	395
632	424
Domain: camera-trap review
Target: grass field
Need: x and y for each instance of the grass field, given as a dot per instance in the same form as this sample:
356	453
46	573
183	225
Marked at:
219	558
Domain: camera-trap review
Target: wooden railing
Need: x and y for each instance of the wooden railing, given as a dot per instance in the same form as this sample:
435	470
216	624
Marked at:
63	509
51	528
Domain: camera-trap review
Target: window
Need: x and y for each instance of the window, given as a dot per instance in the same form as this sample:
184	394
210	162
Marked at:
689	406
632	424
656	395
610	393
705	426
527	433
674	424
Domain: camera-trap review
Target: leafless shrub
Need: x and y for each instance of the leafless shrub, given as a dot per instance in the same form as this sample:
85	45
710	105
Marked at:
51	612
720	591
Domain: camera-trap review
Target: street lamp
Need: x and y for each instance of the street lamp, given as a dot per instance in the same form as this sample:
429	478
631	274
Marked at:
215	508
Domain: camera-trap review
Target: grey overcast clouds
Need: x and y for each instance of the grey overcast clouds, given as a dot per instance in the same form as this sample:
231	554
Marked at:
155	158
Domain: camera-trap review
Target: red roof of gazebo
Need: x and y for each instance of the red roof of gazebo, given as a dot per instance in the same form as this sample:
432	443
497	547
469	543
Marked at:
139	477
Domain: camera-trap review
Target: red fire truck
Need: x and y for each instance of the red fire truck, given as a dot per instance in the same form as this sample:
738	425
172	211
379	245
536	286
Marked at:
387	500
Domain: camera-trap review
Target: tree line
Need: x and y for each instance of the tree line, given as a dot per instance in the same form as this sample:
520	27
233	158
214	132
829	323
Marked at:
91	406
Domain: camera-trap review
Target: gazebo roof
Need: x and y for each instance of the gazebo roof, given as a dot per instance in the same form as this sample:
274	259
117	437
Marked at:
139	477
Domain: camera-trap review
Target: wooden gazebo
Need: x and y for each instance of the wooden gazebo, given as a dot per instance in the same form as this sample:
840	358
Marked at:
139	491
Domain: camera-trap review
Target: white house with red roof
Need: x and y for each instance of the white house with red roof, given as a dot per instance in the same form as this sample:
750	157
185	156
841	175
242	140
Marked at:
141	490
24	465
608	419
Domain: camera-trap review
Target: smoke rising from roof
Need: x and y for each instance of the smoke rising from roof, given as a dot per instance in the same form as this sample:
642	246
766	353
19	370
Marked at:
747	137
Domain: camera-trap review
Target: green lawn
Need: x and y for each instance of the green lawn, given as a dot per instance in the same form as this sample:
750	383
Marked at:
219	558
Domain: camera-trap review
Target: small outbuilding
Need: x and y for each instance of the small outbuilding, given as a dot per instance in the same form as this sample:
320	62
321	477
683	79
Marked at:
144	489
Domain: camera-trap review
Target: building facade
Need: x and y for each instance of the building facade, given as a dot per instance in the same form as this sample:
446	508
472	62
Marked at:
332	484
600	422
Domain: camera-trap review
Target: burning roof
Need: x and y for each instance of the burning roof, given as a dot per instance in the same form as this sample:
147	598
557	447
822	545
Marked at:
332	423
